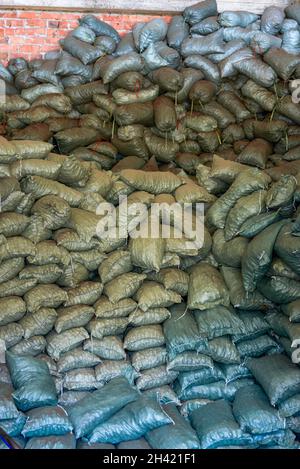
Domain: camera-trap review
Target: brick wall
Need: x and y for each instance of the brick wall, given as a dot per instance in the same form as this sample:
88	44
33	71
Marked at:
30	34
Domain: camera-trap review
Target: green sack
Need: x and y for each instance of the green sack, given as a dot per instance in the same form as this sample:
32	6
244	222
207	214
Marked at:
132	422
245	208
149	358
46	421
234	372
155	377
177	435
214	391
218	321
189	361
31	379
223	350
216	426
109	348
75	359
258	256
144	337
206	288
245	183
254	413
287	247
229	253
238	295
262	345
277	375
290	406
279	289
205	375
255	325
99	406
13	427
181	332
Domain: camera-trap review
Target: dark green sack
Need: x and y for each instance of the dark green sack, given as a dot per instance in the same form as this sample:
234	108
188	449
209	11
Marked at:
34	387
149	358
178	30
245	183
228	253
258	255
238	296
207	67
210	44
254	225
234	372
99	27
131	62
132	422
255	325
246	207
181	332
254	413
279	289
204	375
99	406
85	52
283	327
223	350
277	375
218	321
257	70
201	10
287	247
215	425
290	406
262	345
189	361
213	391
178	435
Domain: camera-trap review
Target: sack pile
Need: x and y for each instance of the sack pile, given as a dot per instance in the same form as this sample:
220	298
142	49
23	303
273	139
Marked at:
140	333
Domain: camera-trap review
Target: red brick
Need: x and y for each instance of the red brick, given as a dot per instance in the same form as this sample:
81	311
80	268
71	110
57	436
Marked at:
28	14
12	23
35	23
